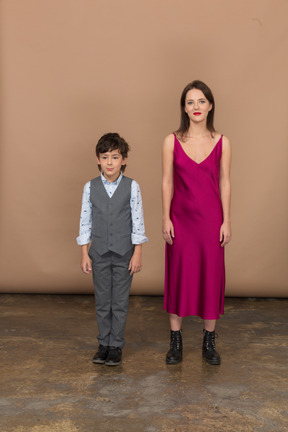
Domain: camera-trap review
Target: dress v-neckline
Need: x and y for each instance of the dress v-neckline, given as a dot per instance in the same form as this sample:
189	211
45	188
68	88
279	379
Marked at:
207	157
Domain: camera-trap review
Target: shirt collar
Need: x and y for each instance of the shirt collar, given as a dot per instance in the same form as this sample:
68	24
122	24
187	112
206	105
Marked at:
116	182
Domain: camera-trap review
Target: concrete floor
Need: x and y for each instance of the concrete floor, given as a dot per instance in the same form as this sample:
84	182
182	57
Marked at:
48	382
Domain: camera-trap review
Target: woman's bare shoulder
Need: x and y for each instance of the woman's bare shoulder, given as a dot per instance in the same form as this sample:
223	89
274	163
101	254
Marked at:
226	142
169	141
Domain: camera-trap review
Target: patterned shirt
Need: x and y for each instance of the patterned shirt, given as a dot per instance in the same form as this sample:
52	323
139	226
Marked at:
138	228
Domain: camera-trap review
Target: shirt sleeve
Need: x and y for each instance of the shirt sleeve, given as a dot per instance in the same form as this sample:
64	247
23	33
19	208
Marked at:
85	227
138	228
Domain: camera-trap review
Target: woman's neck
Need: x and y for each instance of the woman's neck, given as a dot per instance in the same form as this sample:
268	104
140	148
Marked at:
197	130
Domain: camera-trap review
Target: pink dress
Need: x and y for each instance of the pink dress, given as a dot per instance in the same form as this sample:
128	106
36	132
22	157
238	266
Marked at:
194	267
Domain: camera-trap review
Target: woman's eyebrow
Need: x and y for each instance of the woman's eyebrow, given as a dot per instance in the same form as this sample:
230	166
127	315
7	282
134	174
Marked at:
192	100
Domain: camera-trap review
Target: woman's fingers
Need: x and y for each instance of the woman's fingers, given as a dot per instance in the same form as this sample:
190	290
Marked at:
168	232
167	237
172	231
226	239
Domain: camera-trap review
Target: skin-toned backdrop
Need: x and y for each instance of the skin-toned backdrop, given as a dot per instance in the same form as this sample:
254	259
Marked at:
73	70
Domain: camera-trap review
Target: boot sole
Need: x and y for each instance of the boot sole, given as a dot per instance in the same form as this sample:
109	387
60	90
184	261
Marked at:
212	362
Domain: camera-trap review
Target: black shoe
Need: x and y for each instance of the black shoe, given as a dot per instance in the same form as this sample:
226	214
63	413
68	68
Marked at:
208	349
174	355
114	357
101	354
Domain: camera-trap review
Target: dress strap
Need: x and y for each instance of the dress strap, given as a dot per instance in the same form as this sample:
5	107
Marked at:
221	145
176	143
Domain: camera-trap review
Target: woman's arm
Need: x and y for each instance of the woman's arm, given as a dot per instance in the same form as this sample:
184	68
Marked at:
167	188
225	191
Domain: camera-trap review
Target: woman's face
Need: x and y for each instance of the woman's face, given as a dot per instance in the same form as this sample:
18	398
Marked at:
197	106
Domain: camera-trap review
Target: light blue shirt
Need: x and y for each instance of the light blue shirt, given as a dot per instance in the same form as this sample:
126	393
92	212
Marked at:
138	228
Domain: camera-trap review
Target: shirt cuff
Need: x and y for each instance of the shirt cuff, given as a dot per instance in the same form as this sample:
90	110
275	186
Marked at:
83	239
138	239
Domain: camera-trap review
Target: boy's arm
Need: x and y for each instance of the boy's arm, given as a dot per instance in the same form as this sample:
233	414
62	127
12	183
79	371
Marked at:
85	228
138	228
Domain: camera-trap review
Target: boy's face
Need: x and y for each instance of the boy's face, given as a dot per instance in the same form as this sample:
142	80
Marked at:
111	163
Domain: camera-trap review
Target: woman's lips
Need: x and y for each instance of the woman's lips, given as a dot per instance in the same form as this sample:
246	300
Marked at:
197	113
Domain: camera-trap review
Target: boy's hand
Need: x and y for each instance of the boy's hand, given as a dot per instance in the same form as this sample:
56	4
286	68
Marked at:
85	264
135	264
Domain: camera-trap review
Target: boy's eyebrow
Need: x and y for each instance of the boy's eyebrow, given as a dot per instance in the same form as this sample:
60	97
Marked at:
113	152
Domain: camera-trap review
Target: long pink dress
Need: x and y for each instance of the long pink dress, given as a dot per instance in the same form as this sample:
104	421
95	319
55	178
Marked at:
194	267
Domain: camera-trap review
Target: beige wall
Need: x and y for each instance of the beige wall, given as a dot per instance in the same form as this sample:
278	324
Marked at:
72	70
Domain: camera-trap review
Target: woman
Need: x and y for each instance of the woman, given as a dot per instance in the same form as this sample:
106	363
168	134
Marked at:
196	219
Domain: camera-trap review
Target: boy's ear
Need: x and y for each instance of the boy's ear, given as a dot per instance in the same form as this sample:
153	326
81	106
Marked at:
98	161
124	160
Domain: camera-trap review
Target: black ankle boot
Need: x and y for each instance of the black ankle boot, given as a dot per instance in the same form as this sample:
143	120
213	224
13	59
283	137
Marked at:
208	348
174	355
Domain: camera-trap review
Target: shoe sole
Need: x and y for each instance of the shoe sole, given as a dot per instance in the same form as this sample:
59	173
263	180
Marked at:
112	364
98	361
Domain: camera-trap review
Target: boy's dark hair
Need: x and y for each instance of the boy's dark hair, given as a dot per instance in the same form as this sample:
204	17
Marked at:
112	141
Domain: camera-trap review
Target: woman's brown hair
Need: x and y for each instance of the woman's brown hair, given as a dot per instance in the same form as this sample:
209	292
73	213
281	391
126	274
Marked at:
185	121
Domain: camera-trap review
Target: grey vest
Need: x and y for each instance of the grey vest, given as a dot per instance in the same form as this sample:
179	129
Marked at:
111	217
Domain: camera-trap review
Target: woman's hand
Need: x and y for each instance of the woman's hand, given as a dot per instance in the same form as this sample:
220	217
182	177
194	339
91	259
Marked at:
225	233
168	231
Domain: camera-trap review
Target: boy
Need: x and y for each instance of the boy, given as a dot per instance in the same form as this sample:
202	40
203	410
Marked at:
112	216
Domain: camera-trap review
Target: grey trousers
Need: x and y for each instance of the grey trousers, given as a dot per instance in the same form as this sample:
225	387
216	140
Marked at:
112	282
